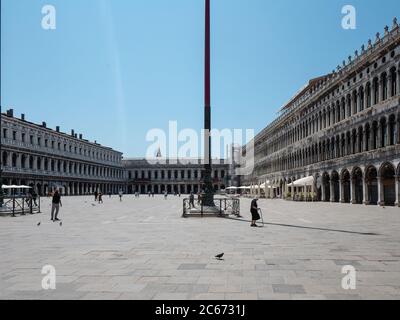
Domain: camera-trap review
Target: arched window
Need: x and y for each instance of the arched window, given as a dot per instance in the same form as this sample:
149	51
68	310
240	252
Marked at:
392	125
354	102
376	90
4	159
31	160
343	108
361	97
14	160
368	88
348	101
384	135
23	160
393	82
384	86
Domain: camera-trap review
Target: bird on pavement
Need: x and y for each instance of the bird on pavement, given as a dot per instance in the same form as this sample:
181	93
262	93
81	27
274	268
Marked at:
219	256
38	224
60	224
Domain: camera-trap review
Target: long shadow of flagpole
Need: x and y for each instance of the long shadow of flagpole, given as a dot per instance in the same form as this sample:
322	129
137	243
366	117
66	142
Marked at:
311	228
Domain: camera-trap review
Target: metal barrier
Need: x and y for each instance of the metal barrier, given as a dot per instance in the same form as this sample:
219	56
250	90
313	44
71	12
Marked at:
19	205
224	206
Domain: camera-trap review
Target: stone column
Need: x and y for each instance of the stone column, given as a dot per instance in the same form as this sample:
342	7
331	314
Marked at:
323	187
397	131
397	184
380	92
34	163
381	201
9	159
379	136
398	83
19	160
358	95
341	191
353	199
365	97
372	93
332	186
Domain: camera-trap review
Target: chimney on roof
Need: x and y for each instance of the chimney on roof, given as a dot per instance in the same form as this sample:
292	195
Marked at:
72	132
44	125
10	113
76	135
58	129
22	116
80	136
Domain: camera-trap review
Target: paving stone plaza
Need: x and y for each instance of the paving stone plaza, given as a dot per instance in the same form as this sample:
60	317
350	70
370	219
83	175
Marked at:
143	249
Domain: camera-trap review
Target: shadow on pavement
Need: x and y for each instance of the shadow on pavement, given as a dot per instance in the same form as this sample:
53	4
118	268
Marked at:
304	227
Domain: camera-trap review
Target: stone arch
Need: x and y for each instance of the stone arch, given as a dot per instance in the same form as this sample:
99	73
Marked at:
345	184
335	197
326	187
357	185
387	175
371	181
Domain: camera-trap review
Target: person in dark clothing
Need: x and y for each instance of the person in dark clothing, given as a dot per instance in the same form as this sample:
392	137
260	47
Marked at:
100	196
191	200
34	197
55	206
254	213
95	195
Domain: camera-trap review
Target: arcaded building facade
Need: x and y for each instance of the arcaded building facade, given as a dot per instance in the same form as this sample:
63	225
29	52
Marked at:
47	159
343	129
174	176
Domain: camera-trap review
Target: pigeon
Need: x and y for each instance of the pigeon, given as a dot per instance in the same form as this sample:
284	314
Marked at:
60	224
93	205
38	224
219	256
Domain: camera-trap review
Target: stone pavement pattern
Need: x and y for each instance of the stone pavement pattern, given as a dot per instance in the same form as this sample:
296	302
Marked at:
143	249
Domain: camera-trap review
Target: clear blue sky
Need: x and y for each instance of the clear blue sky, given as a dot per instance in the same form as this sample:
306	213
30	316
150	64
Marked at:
114	69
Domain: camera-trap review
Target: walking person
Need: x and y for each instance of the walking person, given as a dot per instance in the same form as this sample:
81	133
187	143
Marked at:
198	198
55	206
191	200
120	193
95	195
255	216
165	195
34	197
100	197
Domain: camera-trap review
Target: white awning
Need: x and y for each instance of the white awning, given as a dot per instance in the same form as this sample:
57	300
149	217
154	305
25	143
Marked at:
231	188
15	187
307	181
244	188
